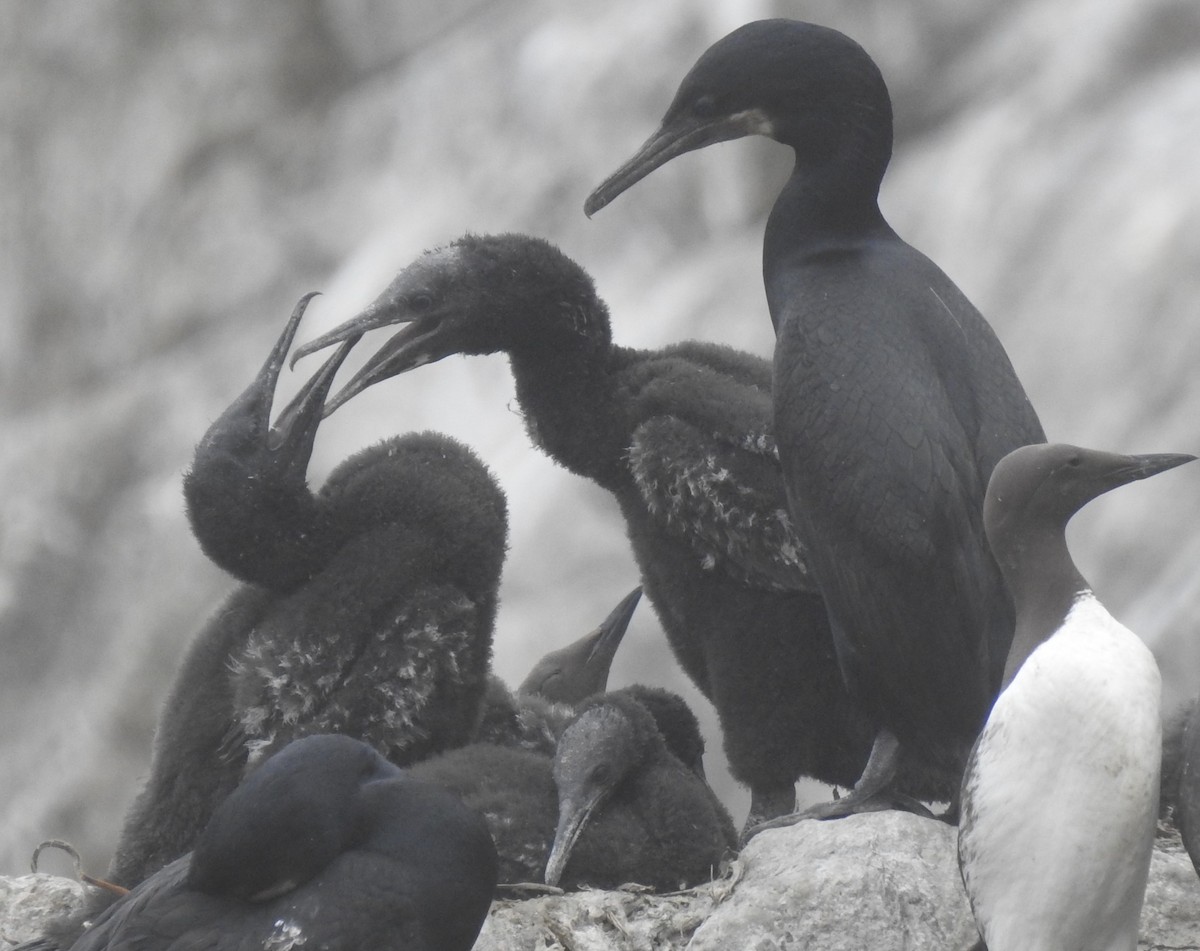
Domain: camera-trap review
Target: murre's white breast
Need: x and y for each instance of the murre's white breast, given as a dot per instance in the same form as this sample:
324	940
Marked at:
1060	795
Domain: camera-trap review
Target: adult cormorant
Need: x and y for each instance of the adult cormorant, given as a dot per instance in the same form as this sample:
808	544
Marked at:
893	399
326	845
682	437
368	607
1060	795
534	716
629	810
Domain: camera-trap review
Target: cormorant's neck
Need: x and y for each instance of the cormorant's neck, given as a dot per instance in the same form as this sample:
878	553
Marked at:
261	532
824	208
1044	583
567	394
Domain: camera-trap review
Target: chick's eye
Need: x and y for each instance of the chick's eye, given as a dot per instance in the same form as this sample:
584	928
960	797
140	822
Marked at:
705	107
1074	462
420	301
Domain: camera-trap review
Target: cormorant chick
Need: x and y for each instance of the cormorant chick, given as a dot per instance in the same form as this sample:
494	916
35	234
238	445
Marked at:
1061	792
893	399
326	845
368	608
628	809
683	438
535	715
652	795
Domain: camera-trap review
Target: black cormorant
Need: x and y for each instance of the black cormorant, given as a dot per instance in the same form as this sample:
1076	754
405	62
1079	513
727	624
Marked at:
683	438
629	810
325	845
1060	796
893	399
1187	804
534	716
368	607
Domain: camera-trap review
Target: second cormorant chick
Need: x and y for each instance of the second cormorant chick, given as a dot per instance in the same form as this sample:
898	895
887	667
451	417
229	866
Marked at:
653	821
1060	795
326	845
649	817
368	608
683	438
534	716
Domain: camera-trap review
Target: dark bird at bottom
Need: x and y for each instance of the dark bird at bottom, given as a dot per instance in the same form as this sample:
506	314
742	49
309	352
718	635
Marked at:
893	398
683	439
1060	797
535	714
325	845
367	608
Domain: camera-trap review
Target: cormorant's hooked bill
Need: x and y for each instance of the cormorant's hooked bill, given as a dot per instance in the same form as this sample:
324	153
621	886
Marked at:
410	299
779	78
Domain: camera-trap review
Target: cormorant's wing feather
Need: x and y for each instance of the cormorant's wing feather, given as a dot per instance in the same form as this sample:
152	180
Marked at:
705	461
369	667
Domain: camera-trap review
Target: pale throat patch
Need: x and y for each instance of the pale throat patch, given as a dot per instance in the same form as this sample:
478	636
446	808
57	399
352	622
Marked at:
754	121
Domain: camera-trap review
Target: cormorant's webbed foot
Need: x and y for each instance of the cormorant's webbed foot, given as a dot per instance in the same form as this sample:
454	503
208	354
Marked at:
872	793
767	804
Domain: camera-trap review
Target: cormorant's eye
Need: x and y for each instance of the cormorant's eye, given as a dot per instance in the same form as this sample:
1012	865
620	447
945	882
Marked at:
599	774
705	107
420	301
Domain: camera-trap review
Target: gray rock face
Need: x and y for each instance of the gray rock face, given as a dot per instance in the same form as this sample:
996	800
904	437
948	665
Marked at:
886	881
27	902
890	876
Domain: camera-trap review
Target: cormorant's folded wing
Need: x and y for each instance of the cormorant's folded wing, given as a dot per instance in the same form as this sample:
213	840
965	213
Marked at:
705	460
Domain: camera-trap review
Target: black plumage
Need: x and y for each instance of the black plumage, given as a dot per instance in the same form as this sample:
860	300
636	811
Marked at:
657	822
326	845
683	438
367	610
512	788
535	714
629	810
893	399
1187	804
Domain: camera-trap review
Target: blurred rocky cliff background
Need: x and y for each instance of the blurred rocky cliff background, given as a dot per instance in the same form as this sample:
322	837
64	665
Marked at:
175	175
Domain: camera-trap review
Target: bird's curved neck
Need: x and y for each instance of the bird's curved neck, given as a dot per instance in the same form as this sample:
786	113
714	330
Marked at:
275	536
825	207
1044	583
567	395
